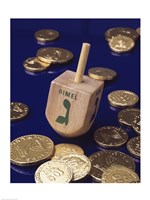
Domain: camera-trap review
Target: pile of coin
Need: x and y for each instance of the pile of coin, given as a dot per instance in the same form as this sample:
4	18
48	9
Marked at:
60	163
47	56
121	39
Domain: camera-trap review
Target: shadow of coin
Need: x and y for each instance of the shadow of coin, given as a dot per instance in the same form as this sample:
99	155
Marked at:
45	43
115	108
24	170
120	54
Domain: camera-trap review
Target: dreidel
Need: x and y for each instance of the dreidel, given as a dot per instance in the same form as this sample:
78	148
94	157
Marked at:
74	99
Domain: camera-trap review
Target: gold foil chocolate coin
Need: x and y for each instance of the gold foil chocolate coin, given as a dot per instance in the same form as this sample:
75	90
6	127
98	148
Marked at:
65	149
101	73
80	165
31	150
54	55
136	124
18	110
126	116
101	160
122	98
110	136
138	30
119	174
46	35
53	172
121	44
133	146
124	31
35	65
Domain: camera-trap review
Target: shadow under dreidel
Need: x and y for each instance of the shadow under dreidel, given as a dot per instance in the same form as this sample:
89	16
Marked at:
24	170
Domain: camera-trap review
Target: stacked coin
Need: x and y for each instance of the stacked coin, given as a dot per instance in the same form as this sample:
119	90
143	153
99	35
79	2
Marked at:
18	111
102	160
47	57
121	39
74	156
119	174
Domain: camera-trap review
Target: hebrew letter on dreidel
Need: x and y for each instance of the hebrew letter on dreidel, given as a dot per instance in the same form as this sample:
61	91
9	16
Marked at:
61	119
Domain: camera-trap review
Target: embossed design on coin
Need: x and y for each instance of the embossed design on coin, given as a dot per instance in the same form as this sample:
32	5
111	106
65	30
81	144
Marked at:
46	35
136	124
80	165
31	149
65	149
110	136
119	174
101	160
54	55
53	172
35	65
133	146
18	110
126	116
101	73
121	44
122	98
129	32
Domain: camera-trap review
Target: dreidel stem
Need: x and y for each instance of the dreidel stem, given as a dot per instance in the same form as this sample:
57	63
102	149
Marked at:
82	62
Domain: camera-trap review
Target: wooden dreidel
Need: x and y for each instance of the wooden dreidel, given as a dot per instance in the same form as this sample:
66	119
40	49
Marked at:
74	99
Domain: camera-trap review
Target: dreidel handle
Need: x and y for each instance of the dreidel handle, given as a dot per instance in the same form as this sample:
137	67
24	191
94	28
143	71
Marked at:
82	62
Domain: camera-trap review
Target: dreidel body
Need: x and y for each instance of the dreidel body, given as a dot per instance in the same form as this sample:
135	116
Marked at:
72	104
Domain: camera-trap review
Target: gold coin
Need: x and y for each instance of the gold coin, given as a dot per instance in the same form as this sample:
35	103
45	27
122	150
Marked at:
35	65
101	160
133	146
54	55
138	30
80	165
31	150
65	149
119	174
136	124
46	35
122	98
121	44
126	116
53	172
110	136
129	32
18	110
101	73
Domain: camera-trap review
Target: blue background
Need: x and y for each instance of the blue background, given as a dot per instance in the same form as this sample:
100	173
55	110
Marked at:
32	89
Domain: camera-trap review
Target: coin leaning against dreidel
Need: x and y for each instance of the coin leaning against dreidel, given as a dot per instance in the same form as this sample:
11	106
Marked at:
31	150
73	92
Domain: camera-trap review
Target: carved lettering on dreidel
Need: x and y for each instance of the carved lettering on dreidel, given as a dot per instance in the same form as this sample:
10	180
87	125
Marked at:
62	119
